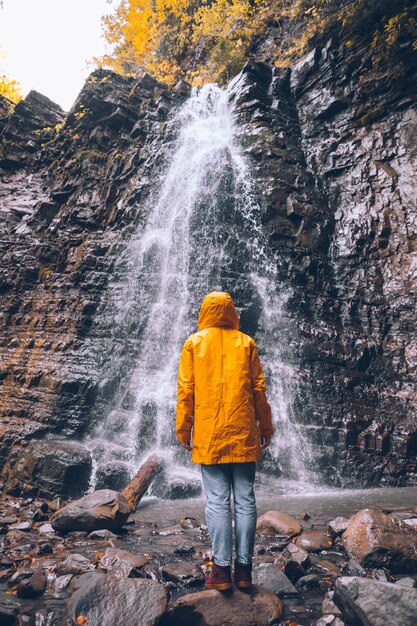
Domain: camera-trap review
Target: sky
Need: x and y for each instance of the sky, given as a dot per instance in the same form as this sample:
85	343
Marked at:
46	44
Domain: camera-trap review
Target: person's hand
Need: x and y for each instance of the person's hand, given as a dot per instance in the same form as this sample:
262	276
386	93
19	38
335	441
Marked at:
265	441
187	445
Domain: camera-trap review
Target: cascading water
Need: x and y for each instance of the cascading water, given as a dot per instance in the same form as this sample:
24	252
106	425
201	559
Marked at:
203	233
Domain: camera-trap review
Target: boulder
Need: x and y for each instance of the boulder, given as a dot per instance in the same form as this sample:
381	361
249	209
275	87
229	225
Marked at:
182	572
211	608
374	540
275	523
313	541
123	563
268	575
108	600
101	509
46	468
112	475
173	484
369	602
9	608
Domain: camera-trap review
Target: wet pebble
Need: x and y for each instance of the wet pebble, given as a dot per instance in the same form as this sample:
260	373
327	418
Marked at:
76	564
6	520
313	541
270	576
189	522
338	526
310	581
102	534
61	582
182	572
20	575
32	587
45	529
25	526
44	548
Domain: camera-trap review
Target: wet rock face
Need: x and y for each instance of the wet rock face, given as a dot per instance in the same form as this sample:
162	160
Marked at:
333	147
71	191
47	468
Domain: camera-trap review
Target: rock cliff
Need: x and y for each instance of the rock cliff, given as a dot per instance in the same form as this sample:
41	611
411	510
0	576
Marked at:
333	151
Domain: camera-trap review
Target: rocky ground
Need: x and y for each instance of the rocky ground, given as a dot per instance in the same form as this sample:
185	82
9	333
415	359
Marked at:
361	570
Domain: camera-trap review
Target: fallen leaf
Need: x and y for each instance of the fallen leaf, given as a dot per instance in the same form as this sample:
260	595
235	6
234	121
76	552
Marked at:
81	620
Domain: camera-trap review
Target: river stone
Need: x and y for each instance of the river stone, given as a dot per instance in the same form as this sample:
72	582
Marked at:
32	587
329	620
328	606
369	602
212	608
374	540
101	509
102	534
294	553
112	475
338	526
108	600
21	526
9	608
76	564
20	575
172	485
182	572
310	581
271	577
313	541
7	520
48	468
277	523
123	562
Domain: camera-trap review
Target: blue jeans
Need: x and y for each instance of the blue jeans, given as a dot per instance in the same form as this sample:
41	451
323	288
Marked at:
218	480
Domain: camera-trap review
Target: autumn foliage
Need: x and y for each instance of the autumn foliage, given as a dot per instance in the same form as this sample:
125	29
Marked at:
10	89
209	40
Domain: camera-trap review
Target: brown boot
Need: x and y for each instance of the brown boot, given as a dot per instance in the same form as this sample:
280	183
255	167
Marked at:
243	575
220	578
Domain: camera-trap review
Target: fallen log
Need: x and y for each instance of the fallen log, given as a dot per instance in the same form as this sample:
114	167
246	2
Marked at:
106	508
134	491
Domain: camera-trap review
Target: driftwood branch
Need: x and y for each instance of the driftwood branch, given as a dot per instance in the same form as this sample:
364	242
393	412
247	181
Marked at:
134	491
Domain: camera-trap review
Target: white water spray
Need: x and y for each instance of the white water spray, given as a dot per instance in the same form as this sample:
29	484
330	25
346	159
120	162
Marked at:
185	251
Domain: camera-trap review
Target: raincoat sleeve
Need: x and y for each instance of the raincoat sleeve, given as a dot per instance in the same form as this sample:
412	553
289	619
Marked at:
262	408
185	402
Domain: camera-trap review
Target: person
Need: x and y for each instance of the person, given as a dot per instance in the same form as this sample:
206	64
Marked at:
224	419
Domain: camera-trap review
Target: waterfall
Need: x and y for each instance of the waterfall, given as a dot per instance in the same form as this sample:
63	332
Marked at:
203	232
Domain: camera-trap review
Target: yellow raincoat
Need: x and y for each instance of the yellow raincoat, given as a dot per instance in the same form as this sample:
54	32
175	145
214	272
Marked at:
221	388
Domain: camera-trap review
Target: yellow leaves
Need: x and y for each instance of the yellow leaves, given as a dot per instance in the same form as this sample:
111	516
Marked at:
46	271
10	89
206	40
82	112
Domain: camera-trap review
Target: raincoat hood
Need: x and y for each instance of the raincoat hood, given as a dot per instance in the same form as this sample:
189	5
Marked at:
218	310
